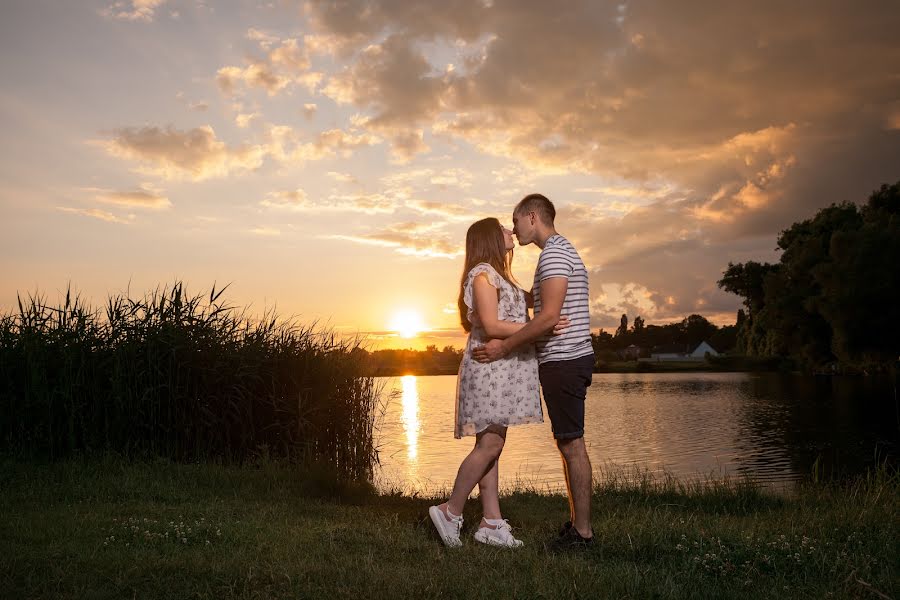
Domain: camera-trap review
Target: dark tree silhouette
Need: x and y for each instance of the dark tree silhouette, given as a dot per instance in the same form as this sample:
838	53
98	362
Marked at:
623	327
832	297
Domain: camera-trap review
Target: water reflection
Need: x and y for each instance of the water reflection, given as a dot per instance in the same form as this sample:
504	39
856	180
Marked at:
410	404
769	427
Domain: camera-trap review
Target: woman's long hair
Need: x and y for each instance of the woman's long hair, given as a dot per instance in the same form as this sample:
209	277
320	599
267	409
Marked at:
484	244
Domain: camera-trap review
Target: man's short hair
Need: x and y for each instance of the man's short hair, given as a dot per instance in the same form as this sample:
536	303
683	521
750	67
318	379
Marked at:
539	204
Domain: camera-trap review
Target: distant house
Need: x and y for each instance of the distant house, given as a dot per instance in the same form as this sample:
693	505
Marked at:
668	352
701	351
682	353
632	352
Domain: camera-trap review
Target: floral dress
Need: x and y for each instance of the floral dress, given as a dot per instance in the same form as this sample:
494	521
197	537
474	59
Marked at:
506	391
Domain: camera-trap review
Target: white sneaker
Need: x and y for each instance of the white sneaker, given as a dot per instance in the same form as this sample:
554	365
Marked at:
448	527
501	536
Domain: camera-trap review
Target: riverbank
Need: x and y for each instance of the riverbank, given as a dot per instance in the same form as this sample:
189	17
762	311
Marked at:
107	528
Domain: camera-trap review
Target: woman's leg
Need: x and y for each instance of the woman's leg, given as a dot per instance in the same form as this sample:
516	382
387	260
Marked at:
488	446
488	493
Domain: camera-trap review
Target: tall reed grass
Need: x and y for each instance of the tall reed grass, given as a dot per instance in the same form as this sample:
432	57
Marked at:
183	377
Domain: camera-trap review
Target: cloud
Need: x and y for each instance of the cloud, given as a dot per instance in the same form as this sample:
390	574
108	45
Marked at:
174	154
406	243
144	197
265	231
244	120
133	10
297	200
454	212
96	213
720	125
254	75
291	199
414	238
342	177
395	81
284	64
286	145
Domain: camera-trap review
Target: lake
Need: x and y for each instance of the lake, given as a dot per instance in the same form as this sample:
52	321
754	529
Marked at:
770	427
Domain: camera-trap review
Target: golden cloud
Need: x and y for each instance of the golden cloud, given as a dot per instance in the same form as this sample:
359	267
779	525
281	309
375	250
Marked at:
285	63
145	197
96	213
133	10
173	154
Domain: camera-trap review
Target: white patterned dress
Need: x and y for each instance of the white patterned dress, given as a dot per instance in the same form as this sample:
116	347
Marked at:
506	391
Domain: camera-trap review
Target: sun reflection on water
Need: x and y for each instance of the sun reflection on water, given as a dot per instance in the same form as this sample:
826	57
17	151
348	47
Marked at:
410	418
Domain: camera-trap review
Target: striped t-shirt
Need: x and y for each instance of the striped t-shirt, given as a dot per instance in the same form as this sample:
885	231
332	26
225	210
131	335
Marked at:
559	259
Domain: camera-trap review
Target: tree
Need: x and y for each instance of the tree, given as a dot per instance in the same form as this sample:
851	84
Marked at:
638	325
833	294
860	283
696	329
746	280
623	326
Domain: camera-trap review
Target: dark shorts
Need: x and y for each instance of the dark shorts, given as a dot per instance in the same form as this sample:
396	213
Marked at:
564	384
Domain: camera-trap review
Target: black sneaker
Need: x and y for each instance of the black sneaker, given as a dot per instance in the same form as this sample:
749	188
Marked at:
570	539
565	528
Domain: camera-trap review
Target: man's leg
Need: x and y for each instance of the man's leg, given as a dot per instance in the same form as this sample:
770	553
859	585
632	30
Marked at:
568	484
579	481
565	384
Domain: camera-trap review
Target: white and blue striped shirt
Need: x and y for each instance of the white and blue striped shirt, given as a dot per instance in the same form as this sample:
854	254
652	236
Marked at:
559	259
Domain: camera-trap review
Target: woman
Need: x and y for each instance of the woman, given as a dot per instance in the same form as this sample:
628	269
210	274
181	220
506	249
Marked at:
489	396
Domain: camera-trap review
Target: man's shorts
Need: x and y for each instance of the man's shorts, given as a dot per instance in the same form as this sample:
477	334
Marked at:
564	384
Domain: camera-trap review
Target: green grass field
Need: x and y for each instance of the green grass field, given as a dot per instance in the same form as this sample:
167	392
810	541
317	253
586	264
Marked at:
111	529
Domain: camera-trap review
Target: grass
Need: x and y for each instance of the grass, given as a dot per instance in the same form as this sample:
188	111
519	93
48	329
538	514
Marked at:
181	376
111	528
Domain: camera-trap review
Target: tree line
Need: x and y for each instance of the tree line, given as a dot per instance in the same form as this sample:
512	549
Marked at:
430	361
832	301
681	336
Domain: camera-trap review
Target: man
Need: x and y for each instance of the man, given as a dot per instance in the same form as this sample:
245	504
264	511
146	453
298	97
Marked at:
566	362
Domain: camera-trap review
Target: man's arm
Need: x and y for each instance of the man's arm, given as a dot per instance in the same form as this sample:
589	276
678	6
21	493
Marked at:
553	294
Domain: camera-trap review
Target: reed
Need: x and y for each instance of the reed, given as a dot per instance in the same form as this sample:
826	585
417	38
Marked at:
185	377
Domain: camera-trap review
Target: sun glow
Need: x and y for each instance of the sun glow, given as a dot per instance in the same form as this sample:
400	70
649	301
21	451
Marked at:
407	323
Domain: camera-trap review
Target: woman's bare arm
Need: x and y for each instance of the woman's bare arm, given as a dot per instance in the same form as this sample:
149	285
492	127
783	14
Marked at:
486	306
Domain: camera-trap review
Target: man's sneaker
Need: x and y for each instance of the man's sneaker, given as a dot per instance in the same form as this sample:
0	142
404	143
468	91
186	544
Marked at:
565	528
569	539
447	527
501	536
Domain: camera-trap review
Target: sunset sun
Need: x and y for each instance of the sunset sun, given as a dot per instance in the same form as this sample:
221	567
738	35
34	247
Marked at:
407	323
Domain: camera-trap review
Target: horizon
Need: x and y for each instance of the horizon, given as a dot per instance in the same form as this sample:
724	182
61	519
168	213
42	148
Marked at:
327	161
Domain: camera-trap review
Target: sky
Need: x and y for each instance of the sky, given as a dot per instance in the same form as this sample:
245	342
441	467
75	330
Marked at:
326	158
